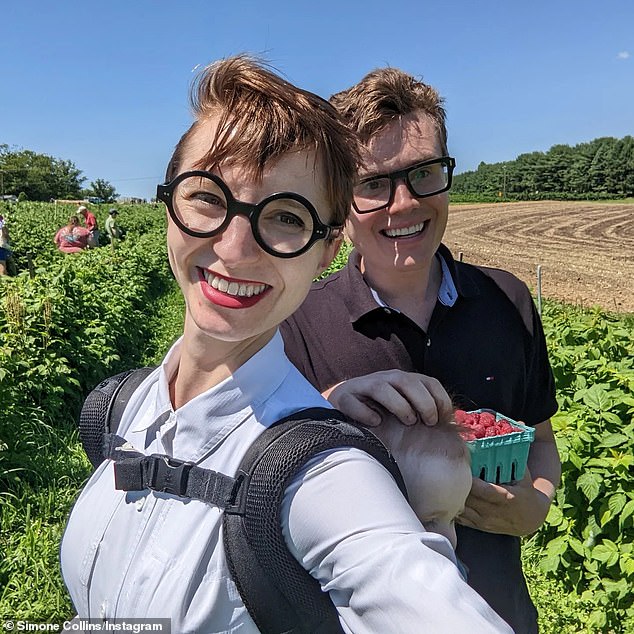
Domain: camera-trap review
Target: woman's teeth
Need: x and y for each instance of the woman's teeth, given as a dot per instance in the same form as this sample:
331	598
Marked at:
405	231
233	288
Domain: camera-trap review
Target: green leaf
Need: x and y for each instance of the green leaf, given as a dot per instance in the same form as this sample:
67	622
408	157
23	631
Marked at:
606	517
613	440
557	546
573	456
626	563
616	503
597	398
577	546
626	512
555	516
549	563
590	484
612	418
597	621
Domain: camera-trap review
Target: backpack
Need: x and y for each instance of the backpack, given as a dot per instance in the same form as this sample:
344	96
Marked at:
280	596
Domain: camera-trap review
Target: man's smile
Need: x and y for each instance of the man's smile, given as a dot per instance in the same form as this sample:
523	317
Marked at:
405	232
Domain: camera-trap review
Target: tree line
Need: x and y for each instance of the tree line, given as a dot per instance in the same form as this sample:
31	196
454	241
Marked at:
602	168
40	177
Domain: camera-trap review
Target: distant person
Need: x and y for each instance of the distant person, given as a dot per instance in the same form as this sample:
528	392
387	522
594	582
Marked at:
5	246
113	230
90	222
72	238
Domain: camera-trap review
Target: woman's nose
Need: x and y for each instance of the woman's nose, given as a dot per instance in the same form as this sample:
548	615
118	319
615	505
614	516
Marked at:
236	244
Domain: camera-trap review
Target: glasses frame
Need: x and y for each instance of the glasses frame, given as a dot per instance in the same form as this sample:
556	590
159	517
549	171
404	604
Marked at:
403	174
235	207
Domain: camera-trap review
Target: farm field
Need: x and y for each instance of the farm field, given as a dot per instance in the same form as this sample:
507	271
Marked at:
586	249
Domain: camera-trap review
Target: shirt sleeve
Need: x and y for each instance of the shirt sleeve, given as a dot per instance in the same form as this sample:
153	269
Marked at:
540	401
345	520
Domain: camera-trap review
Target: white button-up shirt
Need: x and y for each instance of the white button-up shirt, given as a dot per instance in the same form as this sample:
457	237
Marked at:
147	554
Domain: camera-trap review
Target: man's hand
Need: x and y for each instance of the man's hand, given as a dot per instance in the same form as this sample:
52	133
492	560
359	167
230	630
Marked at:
409	396
511	509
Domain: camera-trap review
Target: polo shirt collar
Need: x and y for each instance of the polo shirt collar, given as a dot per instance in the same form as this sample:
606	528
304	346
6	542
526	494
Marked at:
361	300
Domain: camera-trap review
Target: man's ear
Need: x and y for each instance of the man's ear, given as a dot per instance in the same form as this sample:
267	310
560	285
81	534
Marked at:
330	253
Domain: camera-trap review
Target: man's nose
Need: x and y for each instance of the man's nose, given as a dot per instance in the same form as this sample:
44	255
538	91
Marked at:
402	199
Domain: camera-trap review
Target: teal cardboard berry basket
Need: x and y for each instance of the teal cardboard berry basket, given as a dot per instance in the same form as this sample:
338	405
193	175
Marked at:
501	459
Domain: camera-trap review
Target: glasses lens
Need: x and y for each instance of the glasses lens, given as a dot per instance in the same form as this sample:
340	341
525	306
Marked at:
200	204
372	194
429	179
285	225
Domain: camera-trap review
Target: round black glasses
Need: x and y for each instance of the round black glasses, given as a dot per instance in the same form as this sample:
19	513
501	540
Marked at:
284	224
424	179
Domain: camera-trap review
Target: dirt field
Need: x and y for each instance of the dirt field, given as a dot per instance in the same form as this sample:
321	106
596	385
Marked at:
586	249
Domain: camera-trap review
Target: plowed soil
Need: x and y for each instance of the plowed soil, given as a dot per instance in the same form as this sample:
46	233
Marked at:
586	250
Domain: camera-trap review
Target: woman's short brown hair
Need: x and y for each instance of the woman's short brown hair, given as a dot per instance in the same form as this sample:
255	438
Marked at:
262	117
385	94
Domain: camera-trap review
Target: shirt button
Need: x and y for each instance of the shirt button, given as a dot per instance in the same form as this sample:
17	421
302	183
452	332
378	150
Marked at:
387	311
139	504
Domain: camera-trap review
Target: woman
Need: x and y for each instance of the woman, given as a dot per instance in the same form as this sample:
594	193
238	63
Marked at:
258	190
72	238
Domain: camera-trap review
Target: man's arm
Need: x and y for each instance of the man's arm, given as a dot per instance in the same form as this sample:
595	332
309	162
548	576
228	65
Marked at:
409	396
520	508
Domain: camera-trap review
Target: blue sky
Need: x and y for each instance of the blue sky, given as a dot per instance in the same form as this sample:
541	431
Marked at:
105	84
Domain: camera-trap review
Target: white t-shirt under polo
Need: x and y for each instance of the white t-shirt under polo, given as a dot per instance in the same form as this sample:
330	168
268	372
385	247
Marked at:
146	554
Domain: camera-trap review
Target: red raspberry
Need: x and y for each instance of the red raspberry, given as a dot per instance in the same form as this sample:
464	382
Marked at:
491	431
487	419
468	435
460	416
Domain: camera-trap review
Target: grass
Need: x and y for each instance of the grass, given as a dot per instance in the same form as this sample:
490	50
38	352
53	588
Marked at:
32	519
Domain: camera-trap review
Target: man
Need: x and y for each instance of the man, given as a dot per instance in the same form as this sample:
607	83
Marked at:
90	222
403	320
113	231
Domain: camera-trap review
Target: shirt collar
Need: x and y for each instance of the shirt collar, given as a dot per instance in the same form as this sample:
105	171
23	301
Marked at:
248	387
362	299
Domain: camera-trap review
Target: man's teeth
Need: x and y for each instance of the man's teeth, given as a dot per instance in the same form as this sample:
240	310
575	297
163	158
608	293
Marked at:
405	231
233	288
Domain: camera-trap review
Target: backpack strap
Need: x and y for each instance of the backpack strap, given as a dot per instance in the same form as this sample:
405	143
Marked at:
279	594
103	408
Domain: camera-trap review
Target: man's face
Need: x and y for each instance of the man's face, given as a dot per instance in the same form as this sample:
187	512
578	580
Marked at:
405	235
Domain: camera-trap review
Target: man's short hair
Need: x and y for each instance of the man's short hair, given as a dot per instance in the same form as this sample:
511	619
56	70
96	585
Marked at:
261	118
384	95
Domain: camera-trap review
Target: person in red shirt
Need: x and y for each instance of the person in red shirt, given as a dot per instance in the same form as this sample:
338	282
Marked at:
90	222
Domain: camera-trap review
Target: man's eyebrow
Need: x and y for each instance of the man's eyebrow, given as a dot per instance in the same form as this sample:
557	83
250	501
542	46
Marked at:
378	173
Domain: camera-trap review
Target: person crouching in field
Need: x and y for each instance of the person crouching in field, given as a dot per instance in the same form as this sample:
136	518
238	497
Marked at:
256	195
72	238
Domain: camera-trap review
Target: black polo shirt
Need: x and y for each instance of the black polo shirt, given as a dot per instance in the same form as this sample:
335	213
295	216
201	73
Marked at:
487	350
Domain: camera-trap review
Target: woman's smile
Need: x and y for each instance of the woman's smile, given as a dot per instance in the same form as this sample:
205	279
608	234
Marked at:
231	292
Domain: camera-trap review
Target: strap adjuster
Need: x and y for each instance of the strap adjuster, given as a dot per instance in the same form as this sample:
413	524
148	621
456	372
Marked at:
165	474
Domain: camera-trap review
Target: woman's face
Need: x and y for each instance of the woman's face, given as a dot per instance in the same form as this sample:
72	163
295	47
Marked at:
234	291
